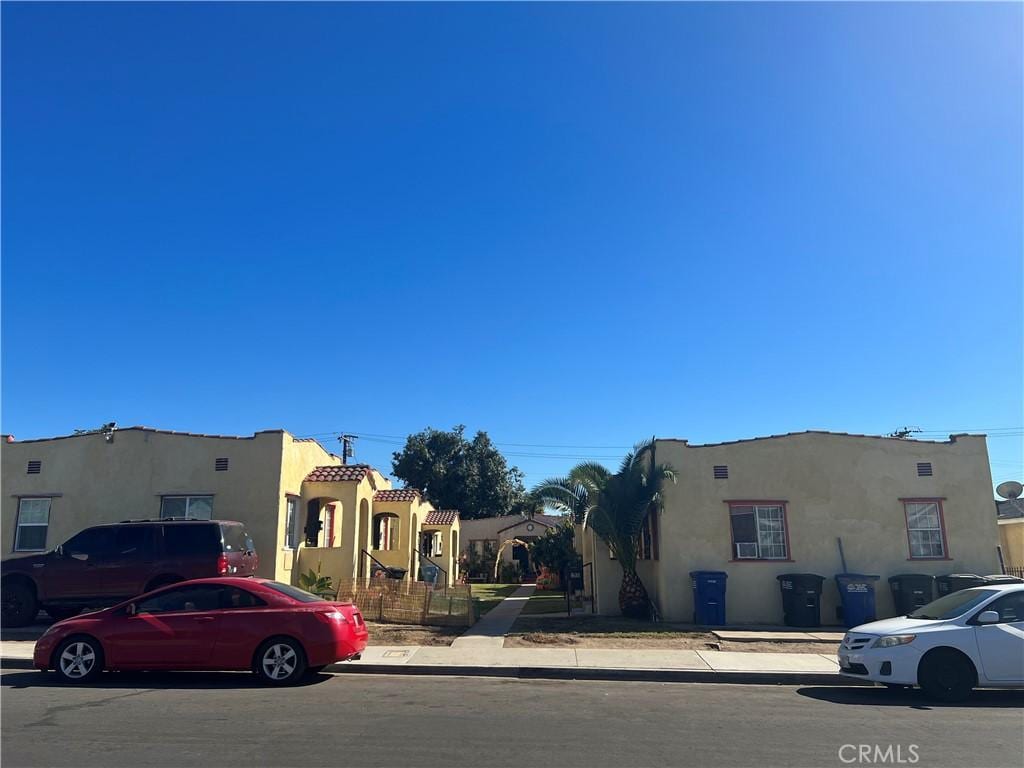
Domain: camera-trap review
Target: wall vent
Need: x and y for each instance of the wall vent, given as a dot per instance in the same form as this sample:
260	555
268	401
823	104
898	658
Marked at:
35	467
924	469
721	472
220	465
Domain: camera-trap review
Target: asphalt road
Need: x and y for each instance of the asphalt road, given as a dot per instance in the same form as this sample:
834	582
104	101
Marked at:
350	720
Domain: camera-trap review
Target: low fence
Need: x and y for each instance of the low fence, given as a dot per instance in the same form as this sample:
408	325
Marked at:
398	601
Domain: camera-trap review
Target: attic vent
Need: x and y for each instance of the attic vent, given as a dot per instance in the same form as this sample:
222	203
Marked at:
35	467
721	472
924	469
220	465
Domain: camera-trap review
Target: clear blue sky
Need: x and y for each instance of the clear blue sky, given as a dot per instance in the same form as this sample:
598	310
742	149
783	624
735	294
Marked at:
568	225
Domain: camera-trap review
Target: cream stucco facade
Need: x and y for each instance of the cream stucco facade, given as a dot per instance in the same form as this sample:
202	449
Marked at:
1011	539
291	494
829	486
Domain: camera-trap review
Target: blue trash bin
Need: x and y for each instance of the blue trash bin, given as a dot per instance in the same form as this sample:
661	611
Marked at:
709	597
857	592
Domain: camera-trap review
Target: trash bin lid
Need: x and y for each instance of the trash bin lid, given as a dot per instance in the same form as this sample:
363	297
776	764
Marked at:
901	576
799	576
709	574
960	576
856	577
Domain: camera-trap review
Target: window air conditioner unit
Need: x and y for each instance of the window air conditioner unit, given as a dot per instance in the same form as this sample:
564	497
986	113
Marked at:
746	551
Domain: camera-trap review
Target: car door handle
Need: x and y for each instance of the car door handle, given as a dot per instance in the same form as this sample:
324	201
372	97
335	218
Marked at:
203	618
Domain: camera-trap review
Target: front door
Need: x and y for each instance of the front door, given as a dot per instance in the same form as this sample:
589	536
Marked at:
1000	644
175	628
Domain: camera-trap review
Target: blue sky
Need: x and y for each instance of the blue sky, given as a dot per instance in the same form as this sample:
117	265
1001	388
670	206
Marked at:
573	225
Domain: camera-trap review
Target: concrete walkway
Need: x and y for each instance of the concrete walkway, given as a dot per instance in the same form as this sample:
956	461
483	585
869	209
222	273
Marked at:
490	631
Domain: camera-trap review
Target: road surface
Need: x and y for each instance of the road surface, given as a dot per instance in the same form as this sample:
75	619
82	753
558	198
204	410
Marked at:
226	720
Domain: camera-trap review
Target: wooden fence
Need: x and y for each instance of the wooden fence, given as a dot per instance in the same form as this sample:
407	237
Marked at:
398	601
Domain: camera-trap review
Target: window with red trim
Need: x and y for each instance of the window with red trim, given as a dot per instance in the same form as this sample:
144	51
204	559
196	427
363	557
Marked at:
925	534
758	531
647	542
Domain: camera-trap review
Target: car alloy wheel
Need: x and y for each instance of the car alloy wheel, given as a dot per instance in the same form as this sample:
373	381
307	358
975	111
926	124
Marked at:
281	661
79	659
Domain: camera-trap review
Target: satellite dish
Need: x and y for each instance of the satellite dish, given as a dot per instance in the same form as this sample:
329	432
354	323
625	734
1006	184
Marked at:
1011	489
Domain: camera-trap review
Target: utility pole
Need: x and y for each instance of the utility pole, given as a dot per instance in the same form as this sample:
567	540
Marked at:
346	447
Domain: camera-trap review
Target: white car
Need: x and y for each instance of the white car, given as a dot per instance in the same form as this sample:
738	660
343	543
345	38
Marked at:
967	639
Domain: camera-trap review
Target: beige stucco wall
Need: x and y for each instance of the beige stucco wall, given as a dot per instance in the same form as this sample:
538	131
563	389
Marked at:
492	529
94	481
834	486
1011	538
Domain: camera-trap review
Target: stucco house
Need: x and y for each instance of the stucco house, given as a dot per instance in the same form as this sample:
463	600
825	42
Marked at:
491	532
301	504
766	506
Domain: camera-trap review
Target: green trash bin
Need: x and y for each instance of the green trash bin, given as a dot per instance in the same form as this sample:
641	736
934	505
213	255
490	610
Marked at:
910	591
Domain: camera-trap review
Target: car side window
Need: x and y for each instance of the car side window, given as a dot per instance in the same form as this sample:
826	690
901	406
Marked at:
1009	607
205	597
232	597
92	542
132	540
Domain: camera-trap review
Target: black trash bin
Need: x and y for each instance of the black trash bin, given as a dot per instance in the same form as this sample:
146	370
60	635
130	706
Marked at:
954	582
1003	578
801	599
395	573
910	591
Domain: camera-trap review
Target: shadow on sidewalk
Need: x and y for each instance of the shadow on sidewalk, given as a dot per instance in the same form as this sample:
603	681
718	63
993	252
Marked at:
188	681
912	699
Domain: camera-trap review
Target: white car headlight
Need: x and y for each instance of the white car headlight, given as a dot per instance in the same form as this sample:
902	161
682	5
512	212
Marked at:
891	640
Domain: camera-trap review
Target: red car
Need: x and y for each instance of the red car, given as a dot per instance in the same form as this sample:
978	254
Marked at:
278	631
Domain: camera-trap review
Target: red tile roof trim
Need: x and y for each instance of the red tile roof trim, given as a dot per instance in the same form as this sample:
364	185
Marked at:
397	494
338	473
441	517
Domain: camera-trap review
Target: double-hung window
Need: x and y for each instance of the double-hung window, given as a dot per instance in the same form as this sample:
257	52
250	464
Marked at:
33	522
758	531
925	533
291	531
200	507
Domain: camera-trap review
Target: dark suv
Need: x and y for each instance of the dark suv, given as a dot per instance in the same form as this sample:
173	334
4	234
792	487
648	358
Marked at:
108	563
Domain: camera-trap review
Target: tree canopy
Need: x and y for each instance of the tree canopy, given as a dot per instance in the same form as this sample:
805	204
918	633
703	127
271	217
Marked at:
455	473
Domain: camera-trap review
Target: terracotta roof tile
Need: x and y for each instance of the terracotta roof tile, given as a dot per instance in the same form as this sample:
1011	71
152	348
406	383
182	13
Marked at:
441	517
397	494
338	473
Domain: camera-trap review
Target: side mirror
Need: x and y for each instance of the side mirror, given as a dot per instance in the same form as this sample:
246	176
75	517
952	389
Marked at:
988	617
131	610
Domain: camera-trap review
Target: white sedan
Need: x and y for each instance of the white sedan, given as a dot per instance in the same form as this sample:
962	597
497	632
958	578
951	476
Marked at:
967	639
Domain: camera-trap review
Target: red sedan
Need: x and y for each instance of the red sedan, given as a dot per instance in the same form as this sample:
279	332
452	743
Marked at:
278	631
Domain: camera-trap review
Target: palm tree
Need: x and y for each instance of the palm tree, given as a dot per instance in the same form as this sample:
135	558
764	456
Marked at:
615	506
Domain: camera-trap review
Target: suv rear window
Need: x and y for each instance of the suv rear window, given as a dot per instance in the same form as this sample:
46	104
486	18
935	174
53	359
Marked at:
192	539
236	539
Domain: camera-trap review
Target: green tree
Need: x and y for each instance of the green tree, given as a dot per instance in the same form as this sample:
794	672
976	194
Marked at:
455	473
555	548
615	506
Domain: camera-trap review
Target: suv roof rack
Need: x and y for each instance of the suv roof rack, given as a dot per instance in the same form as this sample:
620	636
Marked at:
166	519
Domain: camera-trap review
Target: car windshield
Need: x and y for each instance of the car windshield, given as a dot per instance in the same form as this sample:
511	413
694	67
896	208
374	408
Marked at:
294	592
951	606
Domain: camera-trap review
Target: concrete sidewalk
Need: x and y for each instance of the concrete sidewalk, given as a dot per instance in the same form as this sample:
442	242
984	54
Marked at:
490	631
485	659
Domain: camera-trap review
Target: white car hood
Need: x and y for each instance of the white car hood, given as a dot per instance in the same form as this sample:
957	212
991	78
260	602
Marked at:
896	625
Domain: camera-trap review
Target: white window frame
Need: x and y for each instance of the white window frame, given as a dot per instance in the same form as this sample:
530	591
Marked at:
292	533
188	503
766	537
19	525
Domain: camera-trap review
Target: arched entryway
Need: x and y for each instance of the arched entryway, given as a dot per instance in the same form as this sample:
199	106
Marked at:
323	522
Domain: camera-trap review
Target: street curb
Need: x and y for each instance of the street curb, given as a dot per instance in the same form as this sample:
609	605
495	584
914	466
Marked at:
573	673
598	673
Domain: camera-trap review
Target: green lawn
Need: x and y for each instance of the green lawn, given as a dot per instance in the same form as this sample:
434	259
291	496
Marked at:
486	596
545	602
